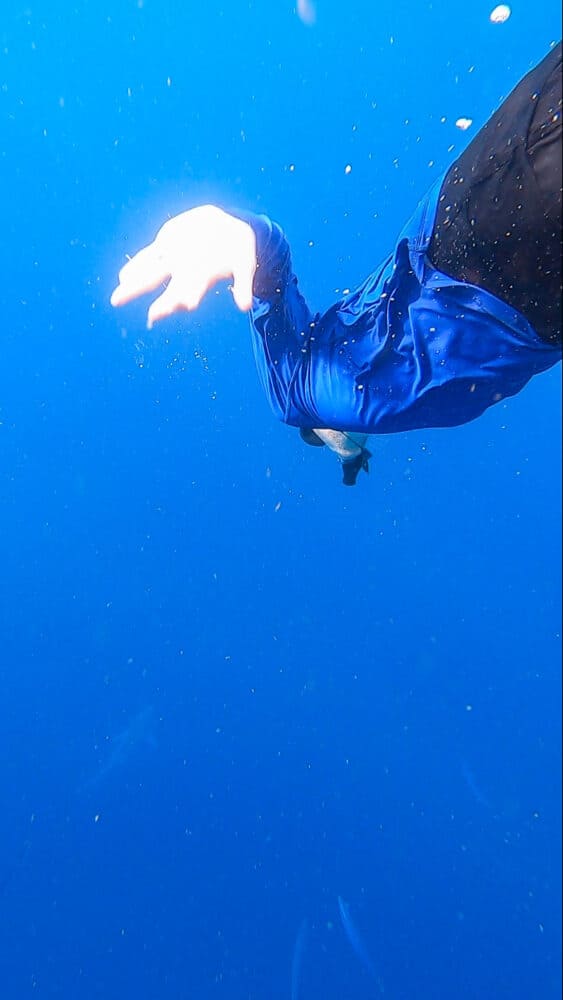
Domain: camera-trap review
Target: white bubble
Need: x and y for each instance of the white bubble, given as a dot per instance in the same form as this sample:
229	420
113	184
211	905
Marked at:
306	11
500	14
464	123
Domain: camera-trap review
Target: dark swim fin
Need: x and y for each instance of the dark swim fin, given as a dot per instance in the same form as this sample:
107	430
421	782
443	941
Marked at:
352	468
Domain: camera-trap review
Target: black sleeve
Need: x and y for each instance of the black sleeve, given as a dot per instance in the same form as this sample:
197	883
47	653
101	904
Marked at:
498	223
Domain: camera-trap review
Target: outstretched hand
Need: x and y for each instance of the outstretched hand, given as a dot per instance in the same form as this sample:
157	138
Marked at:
192	252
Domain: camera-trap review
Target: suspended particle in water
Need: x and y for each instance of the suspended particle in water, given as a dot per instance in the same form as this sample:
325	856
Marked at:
464	123
500	14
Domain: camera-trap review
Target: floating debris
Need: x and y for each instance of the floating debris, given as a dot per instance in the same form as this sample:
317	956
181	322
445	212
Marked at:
500	14
464	123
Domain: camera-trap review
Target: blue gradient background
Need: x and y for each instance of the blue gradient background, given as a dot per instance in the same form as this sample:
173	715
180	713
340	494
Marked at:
232	690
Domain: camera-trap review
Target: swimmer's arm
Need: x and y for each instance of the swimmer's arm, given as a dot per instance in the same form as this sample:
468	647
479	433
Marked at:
298	358
194	251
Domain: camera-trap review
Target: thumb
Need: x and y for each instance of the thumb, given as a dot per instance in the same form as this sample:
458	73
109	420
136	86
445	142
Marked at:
244	269
242	289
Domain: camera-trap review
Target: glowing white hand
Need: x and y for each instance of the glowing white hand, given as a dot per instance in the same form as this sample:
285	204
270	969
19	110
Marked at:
192	251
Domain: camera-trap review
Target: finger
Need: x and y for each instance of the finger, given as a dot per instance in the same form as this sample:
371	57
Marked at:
143	273
179	296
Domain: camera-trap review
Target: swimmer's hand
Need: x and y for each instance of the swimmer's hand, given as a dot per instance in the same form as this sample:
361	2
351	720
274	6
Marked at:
192	252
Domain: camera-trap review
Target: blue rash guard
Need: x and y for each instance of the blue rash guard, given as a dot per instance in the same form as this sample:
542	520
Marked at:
410	348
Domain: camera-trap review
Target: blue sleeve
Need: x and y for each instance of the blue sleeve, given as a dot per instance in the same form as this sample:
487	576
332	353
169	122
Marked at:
302	358
281	322
410	348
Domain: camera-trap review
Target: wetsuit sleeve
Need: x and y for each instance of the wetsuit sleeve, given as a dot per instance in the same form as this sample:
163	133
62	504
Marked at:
281	321
310	364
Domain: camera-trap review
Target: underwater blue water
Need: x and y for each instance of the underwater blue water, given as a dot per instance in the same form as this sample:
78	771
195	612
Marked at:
261	736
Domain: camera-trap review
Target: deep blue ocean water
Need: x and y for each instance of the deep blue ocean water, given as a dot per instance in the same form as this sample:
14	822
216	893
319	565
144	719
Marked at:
232	690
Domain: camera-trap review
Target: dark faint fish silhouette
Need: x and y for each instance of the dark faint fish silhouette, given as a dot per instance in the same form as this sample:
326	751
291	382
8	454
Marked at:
355	939
299	948
122	747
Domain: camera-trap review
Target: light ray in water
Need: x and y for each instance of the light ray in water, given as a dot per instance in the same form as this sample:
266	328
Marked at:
299	948
355	939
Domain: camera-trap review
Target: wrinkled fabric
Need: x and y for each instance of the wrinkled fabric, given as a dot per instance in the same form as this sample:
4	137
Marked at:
410	348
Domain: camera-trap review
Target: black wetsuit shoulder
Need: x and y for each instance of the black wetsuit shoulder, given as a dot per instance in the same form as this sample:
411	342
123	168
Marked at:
498	222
